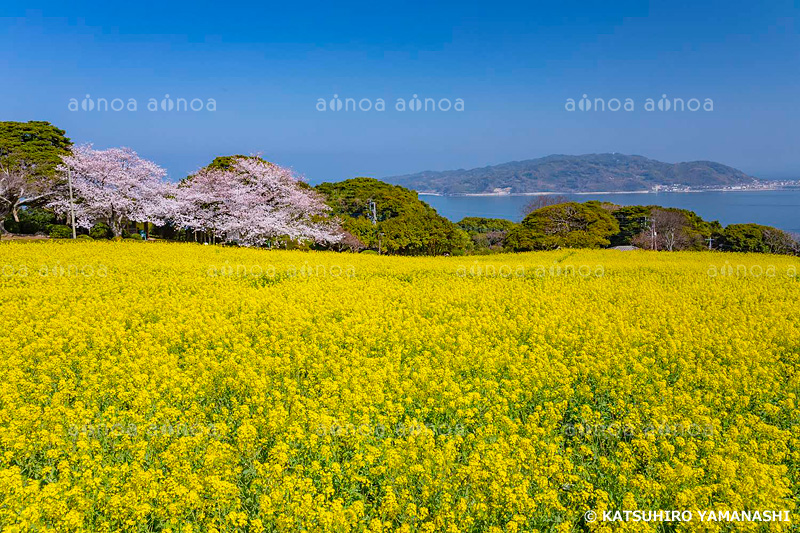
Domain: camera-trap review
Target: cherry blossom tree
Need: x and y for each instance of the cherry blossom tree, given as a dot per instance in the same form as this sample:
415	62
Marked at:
114	186
201	201
254	202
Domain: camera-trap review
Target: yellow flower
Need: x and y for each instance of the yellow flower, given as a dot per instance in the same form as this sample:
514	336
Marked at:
498	393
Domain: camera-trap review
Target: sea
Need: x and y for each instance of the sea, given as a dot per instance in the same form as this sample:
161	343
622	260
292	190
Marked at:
778	208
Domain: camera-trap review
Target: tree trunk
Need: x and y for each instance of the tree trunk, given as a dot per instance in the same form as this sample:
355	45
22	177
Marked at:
147	231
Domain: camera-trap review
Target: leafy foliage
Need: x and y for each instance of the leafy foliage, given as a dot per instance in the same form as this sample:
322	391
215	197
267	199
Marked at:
757	238
36	144
487	234
689	231
477	225
30	153
60	231
632	220
100	231
569	225
402	223
31	220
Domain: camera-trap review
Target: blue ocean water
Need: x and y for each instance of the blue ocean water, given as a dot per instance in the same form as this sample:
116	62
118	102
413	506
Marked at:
780	209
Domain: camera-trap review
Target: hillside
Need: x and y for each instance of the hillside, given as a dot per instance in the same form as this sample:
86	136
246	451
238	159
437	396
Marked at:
571	174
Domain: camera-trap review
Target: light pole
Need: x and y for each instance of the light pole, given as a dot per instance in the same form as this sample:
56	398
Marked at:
373	212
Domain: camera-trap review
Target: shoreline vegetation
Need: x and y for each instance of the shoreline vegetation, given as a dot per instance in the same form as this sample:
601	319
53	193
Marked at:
48	186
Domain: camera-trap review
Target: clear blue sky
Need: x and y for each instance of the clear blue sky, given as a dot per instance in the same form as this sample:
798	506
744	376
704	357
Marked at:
513	64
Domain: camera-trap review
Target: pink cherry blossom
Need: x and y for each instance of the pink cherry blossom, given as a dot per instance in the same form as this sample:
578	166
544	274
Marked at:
115	186
253	203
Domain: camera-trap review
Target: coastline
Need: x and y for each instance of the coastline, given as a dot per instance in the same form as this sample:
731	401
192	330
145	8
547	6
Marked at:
551	193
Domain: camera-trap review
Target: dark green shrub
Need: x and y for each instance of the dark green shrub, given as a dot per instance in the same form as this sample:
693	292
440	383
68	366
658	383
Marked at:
100	231
59	231
31	220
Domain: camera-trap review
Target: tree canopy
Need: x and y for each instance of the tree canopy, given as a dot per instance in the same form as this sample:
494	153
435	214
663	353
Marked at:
36	145
477	225
637	224
251	201
30	155
757	238
567	225
487	234
400	222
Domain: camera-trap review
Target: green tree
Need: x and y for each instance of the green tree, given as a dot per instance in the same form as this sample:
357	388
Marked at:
757	238
487	234
632	220
476	225
636	220
567	225
31	220
30	153
392	218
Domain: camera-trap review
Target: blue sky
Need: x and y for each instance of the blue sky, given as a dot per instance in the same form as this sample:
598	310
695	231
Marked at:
514	65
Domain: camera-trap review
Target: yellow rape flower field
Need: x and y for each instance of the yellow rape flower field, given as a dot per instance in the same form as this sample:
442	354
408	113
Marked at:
187	388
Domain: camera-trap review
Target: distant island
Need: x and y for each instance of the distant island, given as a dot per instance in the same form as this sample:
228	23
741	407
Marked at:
591	173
